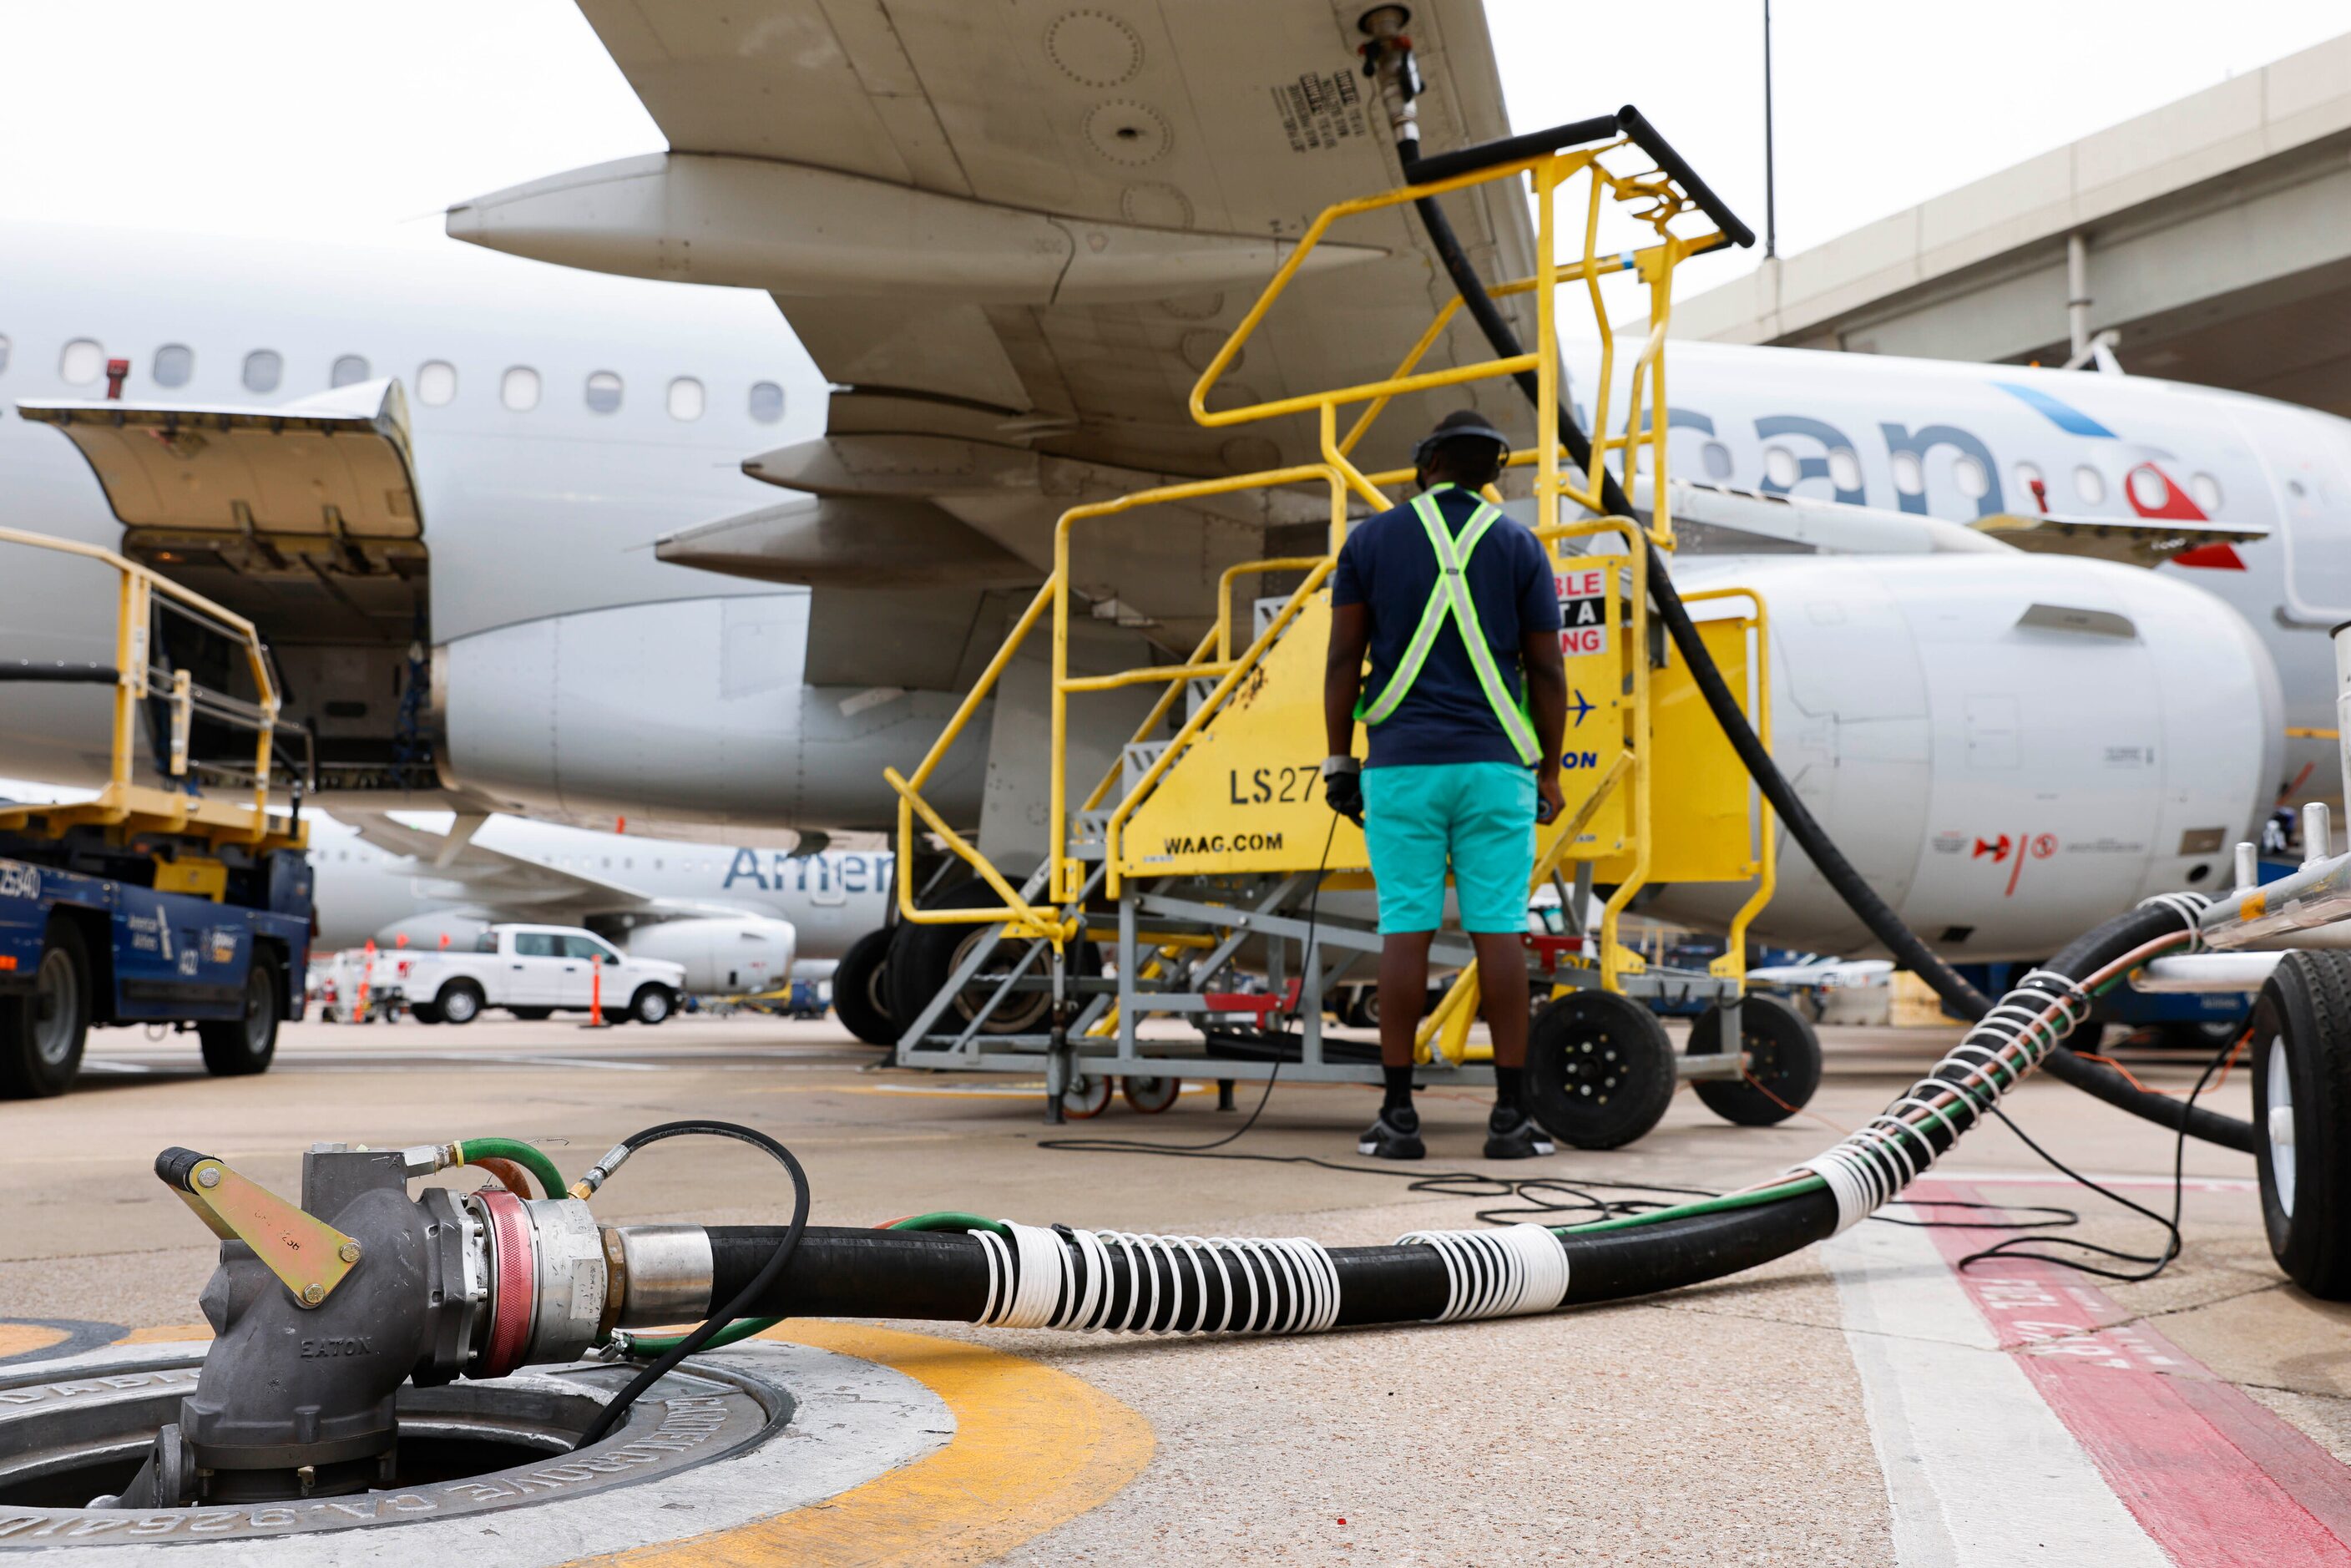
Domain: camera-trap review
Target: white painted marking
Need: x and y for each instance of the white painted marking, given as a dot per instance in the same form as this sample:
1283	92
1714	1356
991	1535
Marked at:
1979	1470
101	1064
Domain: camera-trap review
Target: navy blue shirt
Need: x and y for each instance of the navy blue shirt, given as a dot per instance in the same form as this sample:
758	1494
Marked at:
1388	564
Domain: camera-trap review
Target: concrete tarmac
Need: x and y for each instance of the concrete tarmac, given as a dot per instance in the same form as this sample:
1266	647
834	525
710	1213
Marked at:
1863	1402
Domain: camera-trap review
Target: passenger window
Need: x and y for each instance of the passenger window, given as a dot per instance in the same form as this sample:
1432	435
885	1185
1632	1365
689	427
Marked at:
518	389
685	399
767	401
1909	475
349	369
603	392
1716	458
2207	491
535	945
82	362
174	365
1970	476
437	383
1844	468
1780	466
4	354
2089	485
263	368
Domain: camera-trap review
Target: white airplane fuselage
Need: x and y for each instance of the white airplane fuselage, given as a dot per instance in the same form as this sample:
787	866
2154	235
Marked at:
576	676
364	892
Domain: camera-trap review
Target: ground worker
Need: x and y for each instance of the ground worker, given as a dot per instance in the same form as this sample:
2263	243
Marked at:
1456	605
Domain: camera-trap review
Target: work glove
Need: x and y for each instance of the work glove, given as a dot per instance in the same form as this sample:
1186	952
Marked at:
1343	788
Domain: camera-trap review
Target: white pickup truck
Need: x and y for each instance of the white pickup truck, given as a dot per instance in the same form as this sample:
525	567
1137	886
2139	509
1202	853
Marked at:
532	971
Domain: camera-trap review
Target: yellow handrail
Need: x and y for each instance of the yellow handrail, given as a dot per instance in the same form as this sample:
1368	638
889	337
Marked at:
122	800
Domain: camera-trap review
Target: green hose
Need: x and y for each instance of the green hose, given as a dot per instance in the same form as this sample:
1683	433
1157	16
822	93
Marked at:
744	1328
1701	1206
528	1155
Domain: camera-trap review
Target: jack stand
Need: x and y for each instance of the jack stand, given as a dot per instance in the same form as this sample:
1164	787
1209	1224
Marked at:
1224	1094
1057	1063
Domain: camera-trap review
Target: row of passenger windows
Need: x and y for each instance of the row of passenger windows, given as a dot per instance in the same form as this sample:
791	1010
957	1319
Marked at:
83	363
1783	470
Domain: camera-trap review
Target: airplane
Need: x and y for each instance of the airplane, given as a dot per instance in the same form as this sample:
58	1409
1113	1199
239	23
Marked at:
1007	242
738	917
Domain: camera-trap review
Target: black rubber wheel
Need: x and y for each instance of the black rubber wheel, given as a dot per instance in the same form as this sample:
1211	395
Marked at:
241	1047
2301	1117
1600	1071
1783	1062
459	1002
1365	1013
860	983
651	1005
528	1015
42	1031
923	956
425	1012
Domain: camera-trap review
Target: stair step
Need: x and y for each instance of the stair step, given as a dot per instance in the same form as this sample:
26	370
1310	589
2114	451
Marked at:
1137	760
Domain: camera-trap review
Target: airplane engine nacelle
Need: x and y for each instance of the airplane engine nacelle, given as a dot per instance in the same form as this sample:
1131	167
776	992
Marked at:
723	955
2011	748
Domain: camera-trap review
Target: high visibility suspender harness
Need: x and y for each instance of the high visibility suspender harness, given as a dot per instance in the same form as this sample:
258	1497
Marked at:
1450	600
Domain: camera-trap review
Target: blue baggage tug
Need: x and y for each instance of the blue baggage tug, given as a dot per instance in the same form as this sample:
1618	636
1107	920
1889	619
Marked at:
184	901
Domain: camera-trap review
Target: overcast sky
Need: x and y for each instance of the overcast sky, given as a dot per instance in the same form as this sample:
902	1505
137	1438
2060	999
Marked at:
362	122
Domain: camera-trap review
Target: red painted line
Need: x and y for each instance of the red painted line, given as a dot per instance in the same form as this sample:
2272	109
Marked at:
2210	1474
2018	869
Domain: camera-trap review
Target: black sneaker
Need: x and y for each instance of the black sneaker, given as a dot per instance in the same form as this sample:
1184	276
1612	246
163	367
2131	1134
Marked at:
1514	1136
1395	1136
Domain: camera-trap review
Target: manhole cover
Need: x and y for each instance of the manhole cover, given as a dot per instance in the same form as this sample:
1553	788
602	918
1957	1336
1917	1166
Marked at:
485	1463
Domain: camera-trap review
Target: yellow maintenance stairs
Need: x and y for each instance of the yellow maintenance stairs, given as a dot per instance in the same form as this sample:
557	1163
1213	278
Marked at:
1204	883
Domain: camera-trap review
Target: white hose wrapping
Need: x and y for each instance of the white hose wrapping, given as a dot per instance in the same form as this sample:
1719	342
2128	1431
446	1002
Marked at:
1064	1278
1496	1273
1871	1167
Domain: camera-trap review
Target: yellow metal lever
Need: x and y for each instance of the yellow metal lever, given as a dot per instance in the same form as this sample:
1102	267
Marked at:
309	1255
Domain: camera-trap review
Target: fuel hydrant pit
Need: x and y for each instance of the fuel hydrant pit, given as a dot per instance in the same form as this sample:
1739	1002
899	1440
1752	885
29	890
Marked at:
76	1430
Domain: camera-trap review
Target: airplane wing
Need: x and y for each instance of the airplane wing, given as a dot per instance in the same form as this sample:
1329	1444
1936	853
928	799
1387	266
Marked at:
2141	542
1011	235
480	875
518	888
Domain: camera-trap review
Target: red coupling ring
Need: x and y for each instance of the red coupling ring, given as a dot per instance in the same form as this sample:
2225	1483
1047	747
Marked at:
514	1282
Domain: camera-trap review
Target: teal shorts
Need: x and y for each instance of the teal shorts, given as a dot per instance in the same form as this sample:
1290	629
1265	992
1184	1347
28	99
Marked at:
1479	815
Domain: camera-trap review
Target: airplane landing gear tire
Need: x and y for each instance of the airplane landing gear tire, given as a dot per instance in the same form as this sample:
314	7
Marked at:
1087	1096
1151	1095
2302	1110
1600	1071
860	983
1783	1062
923	956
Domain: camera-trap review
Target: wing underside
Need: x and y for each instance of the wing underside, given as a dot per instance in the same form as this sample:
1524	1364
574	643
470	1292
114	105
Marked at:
1012	234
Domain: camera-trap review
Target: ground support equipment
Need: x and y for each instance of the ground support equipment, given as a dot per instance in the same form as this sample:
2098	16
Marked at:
1205	866
154	902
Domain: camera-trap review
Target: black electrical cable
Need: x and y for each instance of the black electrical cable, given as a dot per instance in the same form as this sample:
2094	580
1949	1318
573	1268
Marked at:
1899	941
2173	1243
778	1258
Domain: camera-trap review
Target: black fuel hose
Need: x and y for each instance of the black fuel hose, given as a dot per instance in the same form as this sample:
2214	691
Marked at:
1900	942
945	1276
